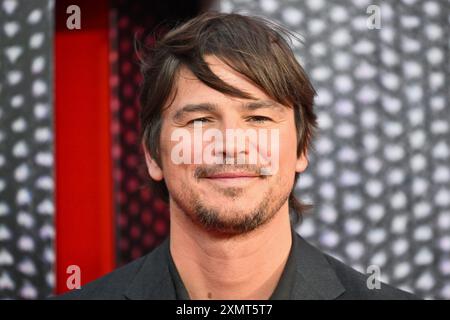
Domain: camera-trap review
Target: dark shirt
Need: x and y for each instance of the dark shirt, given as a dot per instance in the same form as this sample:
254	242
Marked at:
282	290
309	274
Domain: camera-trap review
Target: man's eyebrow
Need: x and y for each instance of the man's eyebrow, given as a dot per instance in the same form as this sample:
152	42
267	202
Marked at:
260	104
194	107
211	107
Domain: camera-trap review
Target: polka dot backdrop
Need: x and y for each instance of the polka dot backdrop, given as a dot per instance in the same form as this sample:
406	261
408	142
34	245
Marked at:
379	174
142	218
26	150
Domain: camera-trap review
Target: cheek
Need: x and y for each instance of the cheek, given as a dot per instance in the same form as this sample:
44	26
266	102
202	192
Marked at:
169	168
288	148
288	154
176	175
288	157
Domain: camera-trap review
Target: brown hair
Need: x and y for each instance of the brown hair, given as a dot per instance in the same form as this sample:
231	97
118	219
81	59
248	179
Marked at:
252	46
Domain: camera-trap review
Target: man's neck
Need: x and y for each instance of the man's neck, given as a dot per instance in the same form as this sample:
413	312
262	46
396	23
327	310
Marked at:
241	267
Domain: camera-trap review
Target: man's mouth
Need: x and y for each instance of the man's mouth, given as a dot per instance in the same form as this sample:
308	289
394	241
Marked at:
232	179
232	175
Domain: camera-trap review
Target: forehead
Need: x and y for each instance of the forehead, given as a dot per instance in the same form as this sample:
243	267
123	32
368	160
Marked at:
190	90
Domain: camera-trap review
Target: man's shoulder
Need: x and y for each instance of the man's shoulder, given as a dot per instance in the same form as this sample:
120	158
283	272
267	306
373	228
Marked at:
143	278
356	285
109	287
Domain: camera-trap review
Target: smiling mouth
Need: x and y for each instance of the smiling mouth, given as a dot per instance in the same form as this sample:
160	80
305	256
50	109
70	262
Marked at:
232	175
233	179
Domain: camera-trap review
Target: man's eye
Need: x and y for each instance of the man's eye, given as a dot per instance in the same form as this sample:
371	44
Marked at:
259	119
201	120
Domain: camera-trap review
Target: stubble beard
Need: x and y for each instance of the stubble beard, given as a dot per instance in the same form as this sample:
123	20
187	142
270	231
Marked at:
229	223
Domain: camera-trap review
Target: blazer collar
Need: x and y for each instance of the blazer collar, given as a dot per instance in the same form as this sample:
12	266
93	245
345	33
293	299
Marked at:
314	278
153	280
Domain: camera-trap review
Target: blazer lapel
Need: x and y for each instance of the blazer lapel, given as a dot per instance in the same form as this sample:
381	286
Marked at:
315	278
153	280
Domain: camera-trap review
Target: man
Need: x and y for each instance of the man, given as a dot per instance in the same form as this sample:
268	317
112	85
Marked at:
227	118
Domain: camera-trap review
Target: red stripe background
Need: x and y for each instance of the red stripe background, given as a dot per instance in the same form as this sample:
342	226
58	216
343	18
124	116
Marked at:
84	205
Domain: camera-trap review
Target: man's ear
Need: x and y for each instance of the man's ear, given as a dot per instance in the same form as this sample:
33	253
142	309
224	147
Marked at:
301	163
153	168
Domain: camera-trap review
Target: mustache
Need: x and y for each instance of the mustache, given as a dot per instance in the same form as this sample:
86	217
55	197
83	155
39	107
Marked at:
205	171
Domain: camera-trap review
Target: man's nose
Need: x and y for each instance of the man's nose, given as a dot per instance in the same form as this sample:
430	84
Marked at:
236	145
230	123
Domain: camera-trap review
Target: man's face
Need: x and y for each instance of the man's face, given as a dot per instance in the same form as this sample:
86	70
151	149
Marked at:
220	185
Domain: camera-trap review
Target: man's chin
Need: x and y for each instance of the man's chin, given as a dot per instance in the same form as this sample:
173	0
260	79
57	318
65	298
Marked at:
231	210
225	195
232	222
228	230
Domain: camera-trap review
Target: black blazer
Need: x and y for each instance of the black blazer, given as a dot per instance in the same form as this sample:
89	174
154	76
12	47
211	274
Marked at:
319	276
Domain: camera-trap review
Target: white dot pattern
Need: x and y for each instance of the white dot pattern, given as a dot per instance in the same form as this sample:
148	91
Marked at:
26	150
